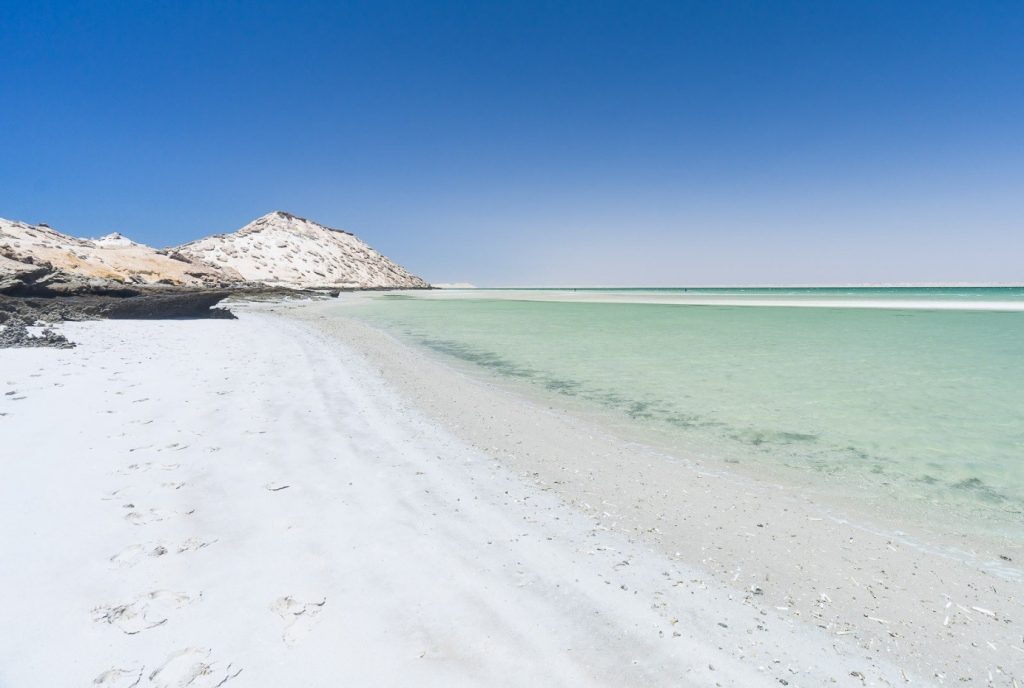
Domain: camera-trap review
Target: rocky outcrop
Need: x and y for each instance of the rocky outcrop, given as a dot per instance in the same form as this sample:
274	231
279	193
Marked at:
276	250
14	334
17	314
47	276
144	304
280	249
37	258
15	274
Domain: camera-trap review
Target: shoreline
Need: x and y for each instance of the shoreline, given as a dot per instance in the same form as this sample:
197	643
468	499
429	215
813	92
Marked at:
908	492
710	299
271	500
556	447
833	496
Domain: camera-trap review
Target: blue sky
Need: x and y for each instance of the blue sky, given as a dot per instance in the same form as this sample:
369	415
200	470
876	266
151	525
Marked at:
536	142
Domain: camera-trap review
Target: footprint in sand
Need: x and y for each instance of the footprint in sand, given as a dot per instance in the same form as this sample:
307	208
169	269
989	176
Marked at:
192	668
133	554
147	611
115	494
194	544
142	517
119	678
119	493
299	617
148	466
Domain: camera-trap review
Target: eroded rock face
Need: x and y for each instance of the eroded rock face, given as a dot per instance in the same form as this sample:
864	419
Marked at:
15	274
280	249
37	257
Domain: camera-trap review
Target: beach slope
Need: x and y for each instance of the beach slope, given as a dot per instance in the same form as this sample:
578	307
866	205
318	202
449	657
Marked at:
247	502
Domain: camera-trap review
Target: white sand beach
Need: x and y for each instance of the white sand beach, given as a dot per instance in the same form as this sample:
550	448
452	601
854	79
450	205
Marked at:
512	345
290	499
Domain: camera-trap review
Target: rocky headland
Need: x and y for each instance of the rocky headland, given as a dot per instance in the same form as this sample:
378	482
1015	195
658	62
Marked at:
48	276
280	249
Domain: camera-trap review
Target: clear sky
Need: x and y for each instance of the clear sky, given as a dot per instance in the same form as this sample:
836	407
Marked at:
524	142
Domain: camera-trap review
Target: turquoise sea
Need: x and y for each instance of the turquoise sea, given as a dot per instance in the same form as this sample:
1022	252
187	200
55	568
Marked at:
907	399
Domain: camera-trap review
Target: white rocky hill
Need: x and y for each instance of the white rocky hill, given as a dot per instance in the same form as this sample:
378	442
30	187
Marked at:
280	249
28	248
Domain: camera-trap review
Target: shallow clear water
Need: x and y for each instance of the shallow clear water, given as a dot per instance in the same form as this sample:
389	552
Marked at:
921	404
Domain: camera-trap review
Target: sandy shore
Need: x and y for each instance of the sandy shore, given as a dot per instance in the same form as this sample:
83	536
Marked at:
293	500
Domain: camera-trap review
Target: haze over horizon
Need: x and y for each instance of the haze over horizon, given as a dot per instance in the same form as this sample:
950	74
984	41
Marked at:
537	143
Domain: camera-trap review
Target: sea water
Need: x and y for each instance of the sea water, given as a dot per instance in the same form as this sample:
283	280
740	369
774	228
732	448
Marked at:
898	396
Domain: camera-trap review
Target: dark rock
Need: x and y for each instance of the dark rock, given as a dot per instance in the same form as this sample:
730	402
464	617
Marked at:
145	304
15	334
175	304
